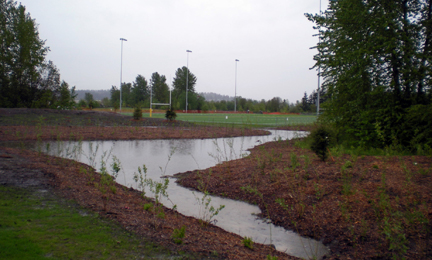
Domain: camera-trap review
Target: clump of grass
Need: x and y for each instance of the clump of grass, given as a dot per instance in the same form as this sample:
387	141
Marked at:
294	161
247	242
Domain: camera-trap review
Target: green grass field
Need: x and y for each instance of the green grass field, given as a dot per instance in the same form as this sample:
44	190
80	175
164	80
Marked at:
255	120
37	225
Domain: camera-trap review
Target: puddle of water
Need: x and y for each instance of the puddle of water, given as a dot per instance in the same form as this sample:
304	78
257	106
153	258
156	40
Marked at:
168	157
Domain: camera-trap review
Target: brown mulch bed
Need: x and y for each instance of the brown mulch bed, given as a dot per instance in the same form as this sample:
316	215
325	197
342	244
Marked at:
75	133
80	182
24	124
54	117
297	127
365	207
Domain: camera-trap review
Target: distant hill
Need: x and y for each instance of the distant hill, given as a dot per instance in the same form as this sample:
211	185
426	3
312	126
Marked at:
210	96
97	94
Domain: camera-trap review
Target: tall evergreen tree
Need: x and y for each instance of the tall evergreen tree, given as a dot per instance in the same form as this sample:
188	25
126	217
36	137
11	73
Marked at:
140	91
159	88
126	95
115	97
179	84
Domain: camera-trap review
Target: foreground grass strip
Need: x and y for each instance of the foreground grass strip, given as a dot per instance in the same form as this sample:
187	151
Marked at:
36	225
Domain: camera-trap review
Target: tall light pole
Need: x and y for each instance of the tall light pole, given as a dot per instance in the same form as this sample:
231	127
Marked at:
187	76
319	69
121	70
235	87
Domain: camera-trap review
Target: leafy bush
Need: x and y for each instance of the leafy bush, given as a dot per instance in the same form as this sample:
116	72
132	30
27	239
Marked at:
147	206
170	115
418	127
321	138
178	235
137	114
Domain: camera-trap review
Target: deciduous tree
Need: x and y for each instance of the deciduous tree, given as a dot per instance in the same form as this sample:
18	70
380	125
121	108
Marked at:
22	55
375	57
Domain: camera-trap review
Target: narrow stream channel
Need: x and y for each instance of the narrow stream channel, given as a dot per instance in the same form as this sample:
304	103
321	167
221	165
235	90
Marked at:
168	157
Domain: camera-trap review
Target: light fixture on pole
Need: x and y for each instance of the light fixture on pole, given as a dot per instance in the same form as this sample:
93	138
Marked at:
187	77
121	70
235	87
319	68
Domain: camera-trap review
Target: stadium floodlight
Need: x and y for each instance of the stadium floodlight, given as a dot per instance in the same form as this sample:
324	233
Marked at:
235	87
319	69
187	77
121	70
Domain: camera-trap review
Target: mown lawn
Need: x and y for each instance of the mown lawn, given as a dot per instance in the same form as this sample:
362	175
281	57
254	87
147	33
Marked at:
35	224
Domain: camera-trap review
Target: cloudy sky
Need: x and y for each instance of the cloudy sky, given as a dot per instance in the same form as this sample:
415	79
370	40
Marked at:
270	38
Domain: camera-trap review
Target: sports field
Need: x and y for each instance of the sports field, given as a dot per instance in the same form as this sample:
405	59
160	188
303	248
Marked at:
255	120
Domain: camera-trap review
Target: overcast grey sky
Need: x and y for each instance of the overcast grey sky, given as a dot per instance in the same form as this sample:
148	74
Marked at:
270	38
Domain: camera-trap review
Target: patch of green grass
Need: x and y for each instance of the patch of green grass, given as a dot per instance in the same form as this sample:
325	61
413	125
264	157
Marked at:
37	225
248	120
247	242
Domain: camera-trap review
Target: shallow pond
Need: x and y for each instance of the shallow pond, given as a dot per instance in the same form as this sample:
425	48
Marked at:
168	157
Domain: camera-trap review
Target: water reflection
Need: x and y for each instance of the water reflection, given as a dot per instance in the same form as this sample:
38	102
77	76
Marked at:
187	155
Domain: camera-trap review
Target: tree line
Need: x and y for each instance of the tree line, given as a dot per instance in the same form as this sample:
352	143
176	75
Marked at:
141	92
138	93
198	102
27	79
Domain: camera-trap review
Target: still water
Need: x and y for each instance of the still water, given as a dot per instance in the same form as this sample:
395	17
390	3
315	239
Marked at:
168	157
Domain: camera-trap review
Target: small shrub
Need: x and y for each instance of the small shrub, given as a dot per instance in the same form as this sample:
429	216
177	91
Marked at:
116	106
294	161
170	115
137	114
178	235
247	242
206	211
147	206
320	141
